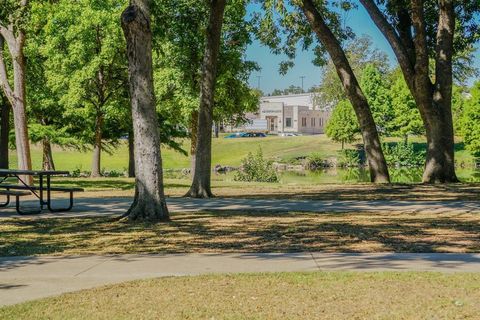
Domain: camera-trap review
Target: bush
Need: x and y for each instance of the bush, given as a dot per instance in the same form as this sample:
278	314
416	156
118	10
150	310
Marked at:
403	155
349	158
255	168
315	161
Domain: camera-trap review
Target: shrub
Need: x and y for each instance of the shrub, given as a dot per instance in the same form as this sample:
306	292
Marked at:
314	161
349	158
255	168
403	154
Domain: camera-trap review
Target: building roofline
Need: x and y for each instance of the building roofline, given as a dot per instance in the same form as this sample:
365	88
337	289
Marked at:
289	95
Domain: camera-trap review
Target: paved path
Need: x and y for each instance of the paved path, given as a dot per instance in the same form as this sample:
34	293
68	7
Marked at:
117	206
28	278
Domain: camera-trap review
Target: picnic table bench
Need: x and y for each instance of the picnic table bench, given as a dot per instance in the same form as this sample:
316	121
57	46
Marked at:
22	189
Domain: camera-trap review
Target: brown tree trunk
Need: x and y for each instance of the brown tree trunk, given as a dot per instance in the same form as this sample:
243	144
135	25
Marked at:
200	187
373	149
97	147
193	139
47	162
149	203
217	129
17	95
440	160
434	100
131	156
4	133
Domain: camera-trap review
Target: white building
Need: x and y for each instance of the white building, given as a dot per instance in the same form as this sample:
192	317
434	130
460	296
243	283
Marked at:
296	113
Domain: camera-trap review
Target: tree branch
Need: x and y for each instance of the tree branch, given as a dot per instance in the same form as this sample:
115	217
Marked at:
3	74
420	39
444	48
398	46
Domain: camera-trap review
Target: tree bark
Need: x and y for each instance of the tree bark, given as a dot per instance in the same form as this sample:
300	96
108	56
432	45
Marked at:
373	149
4	133
47	161
434	100
97	147
217	129
201	185
193	139
17	94
149	203
131	156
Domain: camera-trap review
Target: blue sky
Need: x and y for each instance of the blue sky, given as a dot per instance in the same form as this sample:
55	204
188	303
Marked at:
270	79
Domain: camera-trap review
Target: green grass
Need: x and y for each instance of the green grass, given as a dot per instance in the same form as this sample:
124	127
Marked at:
225	152
315	295
245	232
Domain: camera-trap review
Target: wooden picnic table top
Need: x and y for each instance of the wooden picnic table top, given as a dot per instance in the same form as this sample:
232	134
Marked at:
4	172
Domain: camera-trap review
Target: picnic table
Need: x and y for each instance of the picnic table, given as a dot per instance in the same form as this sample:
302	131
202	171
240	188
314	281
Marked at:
44	186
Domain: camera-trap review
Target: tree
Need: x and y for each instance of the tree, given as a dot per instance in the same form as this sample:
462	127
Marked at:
343	124
4	132
84	60
149	202
376	88
376	159
200	187
406	119
290	90
471	121
180	41
12	33
360	53
420	32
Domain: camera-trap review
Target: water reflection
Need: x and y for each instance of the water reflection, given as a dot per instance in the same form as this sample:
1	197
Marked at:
357	175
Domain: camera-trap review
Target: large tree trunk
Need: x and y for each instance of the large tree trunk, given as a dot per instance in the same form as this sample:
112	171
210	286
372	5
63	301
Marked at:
97	147
17	95
200	187
131	156
373	149
149	203
4	133
440	162
47	161
22	141
409	42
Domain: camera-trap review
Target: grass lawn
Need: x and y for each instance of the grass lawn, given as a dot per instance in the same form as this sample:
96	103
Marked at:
225	152
245	232
316	295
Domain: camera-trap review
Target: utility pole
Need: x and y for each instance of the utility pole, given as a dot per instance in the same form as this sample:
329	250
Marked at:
258	79
303	78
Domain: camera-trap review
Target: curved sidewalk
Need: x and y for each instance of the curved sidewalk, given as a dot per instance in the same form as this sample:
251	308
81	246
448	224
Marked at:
27	278
117	206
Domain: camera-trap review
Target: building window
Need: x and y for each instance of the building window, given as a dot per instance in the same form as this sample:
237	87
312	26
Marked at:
321	121
304	122
288	122
312	122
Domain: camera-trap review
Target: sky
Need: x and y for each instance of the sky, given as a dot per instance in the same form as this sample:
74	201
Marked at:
270	78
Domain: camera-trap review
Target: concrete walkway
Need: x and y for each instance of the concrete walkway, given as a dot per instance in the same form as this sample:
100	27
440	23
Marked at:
117	206
28	278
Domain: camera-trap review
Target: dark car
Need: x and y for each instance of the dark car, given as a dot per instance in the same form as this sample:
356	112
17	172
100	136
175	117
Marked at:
246	135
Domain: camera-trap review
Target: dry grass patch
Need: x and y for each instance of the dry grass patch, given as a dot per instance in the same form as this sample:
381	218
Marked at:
318	295
121	187
245	232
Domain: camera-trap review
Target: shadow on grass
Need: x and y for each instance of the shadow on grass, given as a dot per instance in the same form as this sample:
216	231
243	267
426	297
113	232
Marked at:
245	232
416	192
107	184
